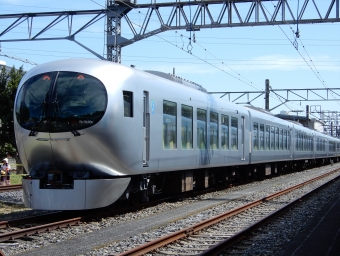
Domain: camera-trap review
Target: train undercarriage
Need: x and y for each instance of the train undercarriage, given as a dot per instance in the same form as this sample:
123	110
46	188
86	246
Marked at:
142	187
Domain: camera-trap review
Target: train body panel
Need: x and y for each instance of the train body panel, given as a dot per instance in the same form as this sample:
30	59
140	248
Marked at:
86	194
90	125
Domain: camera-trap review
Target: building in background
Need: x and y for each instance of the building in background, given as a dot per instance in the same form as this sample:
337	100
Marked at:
3	63
311	123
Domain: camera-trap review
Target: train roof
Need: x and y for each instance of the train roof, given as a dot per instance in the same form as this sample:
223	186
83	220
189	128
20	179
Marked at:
177	80
66	64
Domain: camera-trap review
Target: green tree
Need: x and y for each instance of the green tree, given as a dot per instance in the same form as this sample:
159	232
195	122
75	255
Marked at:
9	82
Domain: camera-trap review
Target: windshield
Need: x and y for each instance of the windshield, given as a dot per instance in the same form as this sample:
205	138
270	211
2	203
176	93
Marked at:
60	102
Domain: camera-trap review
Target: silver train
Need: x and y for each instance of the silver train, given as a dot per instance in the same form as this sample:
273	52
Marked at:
92	132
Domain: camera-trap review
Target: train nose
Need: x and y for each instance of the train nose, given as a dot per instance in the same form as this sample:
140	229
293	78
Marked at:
84	194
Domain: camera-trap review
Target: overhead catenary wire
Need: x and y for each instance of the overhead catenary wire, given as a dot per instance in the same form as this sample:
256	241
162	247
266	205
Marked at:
16	58
181	48
209	60
249	83
209	63
315	70
248	62
297	33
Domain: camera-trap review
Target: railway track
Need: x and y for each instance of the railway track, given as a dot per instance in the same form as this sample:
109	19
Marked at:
25	227
16	229
10	188
214	235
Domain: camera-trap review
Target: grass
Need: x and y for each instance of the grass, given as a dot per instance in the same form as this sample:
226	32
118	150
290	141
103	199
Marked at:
16	178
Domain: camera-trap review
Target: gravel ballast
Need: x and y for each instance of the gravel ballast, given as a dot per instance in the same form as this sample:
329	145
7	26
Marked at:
116	234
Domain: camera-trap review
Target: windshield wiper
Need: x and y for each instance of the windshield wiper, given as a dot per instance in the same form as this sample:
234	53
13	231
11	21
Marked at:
36	128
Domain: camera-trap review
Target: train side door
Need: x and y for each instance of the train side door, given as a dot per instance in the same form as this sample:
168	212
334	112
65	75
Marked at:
291	142
243	128
146	129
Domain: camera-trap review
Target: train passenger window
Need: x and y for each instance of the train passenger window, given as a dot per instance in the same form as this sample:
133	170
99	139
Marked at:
201	129
324	145
320	144
284	140
267	137
261	136
300	142
297	142
281	139
225	132
276	138
214	130
288	139
333	146
169	125
187	117
272	137
234	133
255	136
127	97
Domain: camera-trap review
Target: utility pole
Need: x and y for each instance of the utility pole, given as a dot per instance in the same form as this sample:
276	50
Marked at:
267	95
307	115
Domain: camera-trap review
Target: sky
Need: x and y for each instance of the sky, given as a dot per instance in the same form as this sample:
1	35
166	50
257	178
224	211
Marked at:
235	59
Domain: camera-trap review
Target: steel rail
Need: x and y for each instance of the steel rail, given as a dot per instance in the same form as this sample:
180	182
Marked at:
10	187
60	219
155	244
38	229
33	219
223	245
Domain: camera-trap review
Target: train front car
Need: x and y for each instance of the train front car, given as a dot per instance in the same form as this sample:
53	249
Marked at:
63	113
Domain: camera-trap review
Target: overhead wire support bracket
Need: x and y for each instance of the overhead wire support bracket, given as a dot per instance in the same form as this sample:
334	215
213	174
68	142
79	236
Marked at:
229	16
288	95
